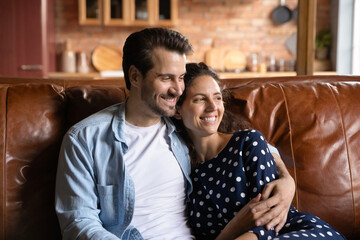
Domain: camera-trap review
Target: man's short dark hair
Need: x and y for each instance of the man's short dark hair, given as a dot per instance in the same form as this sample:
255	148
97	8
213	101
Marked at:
139	46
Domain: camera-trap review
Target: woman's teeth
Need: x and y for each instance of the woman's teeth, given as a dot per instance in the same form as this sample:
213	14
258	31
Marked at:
210	119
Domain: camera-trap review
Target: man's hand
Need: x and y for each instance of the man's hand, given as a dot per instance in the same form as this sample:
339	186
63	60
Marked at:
243	221
276	196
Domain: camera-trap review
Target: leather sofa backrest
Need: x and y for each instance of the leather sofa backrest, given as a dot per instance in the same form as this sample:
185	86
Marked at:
33	119
311	120
315	125
85	100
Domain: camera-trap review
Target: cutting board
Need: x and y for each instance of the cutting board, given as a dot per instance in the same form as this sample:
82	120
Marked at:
214	59
234	60
107	58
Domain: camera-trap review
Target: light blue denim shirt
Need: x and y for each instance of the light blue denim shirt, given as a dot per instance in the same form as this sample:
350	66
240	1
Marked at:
94	191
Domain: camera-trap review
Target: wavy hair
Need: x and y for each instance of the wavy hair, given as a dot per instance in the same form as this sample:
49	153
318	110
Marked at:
229	123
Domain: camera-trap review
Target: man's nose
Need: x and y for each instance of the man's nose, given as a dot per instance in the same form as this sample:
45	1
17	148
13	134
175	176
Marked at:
177	88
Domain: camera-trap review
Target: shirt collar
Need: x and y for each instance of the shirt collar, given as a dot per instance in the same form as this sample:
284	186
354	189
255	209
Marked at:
118	123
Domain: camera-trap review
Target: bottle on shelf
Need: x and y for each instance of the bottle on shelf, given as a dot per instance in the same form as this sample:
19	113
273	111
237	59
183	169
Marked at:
68	59
271	63
252	63
82	63
280	65
262	68
290	65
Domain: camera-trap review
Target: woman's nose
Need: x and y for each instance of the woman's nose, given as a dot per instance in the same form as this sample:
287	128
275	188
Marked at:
211	105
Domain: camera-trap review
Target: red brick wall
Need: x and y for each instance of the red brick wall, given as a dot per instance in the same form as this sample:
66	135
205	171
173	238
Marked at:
241	24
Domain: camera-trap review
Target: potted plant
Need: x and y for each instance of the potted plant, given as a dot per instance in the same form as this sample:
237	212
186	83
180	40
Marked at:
322	43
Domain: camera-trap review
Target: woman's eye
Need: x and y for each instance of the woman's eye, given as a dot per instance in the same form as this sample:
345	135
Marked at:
198	99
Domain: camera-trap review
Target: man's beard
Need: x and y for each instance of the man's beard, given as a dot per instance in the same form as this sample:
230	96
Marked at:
161	112
171	110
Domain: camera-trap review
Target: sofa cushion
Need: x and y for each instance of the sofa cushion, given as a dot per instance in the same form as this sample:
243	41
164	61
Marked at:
34	129
83	101
312	120
315	126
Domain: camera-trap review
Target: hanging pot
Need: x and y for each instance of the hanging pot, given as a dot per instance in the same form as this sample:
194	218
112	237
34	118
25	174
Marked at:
281	14
295	14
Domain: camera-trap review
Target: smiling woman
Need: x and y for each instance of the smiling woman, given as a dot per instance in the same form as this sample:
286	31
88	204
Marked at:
230	172
203	108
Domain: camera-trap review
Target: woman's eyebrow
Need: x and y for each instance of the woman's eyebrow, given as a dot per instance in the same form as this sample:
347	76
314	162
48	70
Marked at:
204	94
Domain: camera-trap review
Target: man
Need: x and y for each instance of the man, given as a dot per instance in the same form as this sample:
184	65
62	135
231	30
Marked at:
122	172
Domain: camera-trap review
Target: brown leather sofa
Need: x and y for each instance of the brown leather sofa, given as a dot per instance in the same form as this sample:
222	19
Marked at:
313	121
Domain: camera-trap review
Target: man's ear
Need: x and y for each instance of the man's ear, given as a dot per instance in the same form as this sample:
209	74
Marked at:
135	76
177	114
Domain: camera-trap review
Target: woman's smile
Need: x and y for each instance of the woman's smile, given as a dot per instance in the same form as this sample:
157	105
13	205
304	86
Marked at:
209	119
203	108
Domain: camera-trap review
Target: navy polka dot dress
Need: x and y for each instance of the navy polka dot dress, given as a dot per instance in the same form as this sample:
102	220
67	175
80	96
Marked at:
224	184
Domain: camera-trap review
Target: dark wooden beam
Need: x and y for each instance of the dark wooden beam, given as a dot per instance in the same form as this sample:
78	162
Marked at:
305	53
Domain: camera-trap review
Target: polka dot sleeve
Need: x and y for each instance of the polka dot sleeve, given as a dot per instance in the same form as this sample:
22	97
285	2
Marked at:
224	184
259	164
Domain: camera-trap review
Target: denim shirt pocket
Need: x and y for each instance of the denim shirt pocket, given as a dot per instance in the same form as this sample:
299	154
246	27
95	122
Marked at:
108	205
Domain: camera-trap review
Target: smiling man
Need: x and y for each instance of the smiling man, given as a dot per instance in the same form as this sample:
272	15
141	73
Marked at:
130	151
123	172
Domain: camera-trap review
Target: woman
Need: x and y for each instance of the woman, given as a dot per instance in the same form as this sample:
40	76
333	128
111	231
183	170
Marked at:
230	170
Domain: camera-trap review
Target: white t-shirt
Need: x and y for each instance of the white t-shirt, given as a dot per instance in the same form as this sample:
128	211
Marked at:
159	211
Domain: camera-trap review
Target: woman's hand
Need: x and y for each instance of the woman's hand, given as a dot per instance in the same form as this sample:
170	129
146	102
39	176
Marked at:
276	196
244	220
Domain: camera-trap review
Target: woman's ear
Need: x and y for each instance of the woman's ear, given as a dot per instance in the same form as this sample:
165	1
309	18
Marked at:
134	76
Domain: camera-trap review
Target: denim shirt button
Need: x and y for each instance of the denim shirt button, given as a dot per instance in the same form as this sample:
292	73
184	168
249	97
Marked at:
174	144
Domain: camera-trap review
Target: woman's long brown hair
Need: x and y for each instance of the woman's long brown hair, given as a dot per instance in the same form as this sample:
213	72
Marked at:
229	123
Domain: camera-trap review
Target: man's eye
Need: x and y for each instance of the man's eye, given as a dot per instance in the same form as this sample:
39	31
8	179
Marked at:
166	78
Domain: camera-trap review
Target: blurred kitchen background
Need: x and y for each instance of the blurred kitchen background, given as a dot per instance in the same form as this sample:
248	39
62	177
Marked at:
84	37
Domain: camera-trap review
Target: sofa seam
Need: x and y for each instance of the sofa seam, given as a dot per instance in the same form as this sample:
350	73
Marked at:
291	142
3	170
330	86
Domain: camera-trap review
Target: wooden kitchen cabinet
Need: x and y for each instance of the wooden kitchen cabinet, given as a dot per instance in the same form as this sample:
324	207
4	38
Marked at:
128	12
27	39
90	12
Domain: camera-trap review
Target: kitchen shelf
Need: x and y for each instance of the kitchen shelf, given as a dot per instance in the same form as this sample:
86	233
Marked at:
227	75
222	75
